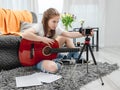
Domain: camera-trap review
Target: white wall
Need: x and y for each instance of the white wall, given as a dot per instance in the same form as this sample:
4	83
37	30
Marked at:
112	25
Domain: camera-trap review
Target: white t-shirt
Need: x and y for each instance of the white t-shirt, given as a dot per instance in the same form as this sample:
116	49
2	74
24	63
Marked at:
40	31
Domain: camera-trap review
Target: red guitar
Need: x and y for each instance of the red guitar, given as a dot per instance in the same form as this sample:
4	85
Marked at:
32	52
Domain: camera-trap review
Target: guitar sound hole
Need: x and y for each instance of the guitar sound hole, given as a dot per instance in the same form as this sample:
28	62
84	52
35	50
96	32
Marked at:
47	50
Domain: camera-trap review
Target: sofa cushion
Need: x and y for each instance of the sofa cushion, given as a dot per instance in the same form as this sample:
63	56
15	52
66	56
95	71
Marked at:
25	25
34	17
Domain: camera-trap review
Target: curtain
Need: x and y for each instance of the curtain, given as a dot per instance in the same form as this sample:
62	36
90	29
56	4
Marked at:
31	5
91	11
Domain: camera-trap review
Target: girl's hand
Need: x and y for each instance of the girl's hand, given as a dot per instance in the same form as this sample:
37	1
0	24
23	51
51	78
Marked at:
47	40
91	33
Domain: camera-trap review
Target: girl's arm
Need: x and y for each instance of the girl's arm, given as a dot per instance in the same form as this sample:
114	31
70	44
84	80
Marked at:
75	34
30	34
72	34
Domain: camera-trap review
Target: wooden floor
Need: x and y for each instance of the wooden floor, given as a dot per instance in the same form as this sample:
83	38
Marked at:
112	81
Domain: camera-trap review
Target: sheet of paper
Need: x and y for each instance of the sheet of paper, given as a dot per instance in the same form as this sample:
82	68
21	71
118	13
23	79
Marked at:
26	81
47	78
36	79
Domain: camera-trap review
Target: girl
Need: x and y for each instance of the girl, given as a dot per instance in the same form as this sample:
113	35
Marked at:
46	32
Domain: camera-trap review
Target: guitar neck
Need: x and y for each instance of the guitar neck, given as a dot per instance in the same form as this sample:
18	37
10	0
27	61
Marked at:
57	50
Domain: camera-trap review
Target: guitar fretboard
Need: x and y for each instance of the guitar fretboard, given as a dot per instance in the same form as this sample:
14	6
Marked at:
57	50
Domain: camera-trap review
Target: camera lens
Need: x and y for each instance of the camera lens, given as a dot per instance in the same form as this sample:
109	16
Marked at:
78	43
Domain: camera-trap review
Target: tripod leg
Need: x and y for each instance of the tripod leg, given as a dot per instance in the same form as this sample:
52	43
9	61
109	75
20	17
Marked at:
95	64
92	54
87	55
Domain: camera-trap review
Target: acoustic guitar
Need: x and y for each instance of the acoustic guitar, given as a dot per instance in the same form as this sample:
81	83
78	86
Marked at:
32	52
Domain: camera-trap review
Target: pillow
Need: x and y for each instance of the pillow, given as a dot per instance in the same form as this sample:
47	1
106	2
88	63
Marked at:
25	25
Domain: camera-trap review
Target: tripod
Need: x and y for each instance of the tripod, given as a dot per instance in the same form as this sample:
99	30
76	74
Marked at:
88	47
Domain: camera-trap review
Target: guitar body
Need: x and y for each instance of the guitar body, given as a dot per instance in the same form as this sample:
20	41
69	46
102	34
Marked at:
32	52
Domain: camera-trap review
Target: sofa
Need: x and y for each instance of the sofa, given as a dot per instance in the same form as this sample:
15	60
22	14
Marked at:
9	48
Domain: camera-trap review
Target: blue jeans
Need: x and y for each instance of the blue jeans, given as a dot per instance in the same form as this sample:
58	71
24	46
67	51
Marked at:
74	55
70	55
40	67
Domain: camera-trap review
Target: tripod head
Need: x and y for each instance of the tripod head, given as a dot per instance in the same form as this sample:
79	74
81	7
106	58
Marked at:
87	39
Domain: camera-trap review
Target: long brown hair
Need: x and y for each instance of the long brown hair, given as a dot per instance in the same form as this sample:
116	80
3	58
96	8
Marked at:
47	15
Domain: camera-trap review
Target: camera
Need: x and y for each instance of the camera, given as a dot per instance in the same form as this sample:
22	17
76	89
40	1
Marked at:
85	31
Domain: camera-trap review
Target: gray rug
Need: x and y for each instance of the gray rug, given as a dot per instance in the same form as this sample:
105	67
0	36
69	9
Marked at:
78	79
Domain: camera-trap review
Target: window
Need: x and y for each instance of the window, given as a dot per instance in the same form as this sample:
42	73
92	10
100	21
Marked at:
89	13
45	4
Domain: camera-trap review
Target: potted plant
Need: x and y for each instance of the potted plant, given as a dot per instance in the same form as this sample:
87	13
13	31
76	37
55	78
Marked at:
67	20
